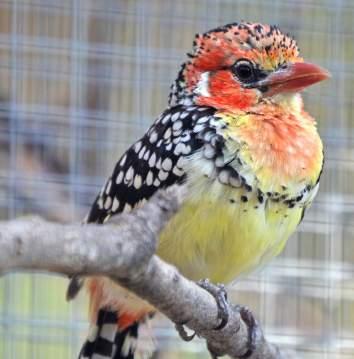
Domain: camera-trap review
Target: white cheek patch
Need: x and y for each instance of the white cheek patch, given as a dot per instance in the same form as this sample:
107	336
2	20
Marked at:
202	88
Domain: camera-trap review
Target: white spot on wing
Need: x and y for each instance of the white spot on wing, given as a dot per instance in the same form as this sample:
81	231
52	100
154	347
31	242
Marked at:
175	117
108	202
162	175
167	164
141	153
147	154
115	204
177	125
119	177
203	119
153	137
149	178
137	146
129	174
179	148
198	128
177	133
122	161
167	134
158	164
182	148
166	119
152	160
137	181
177	171
100	203
108	187
180	162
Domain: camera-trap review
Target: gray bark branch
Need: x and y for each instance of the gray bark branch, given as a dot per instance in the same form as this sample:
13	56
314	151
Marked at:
123	249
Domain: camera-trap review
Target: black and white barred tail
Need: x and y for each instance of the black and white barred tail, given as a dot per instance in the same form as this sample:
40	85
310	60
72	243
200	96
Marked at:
107	341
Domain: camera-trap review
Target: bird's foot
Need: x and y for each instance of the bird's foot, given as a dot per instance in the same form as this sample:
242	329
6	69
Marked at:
183	334
218	291
252	325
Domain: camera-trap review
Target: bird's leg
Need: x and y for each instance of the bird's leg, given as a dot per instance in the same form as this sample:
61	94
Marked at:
218	291
247	316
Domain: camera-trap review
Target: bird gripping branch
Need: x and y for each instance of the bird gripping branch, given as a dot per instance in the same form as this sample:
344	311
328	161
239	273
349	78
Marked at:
237	136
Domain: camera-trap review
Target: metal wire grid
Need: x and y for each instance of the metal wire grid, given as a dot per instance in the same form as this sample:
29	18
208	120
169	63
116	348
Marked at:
81	80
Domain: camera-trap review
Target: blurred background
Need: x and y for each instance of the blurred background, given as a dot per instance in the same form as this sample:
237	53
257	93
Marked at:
81	80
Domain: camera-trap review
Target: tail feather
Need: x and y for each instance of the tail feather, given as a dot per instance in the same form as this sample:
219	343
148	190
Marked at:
106	341
125	343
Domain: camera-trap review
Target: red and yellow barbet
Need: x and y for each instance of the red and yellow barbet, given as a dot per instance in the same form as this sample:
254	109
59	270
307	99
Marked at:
237	135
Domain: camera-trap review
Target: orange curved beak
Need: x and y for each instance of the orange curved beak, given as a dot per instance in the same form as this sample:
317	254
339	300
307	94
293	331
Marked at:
293	78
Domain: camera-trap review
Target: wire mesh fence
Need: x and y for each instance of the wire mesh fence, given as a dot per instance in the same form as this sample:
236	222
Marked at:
81	80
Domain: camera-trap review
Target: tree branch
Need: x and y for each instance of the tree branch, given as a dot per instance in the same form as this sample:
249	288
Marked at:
123	249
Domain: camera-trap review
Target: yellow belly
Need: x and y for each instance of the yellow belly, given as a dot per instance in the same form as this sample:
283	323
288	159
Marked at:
215	235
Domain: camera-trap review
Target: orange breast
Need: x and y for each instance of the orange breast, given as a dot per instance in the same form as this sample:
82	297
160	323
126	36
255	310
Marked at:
281	147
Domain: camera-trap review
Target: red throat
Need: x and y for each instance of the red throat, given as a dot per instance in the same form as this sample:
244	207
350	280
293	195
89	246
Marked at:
284	147
226	94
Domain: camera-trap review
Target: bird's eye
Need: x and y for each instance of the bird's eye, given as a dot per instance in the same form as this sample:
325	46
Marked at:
244	70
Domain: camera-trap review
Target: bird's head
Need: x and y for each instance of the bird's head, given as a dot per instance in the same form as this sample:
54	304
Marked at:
237	66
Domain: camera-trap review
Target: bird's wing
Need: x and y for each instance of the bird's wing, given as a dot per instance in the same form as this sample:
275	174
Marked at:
153	162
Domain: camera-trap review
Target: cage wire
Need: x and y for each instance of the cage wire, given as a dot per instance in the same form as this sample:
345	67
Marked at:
81	80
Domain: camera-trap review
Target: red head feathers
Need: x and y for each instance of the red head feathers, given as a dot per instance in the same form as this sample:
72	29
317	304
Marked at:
236	66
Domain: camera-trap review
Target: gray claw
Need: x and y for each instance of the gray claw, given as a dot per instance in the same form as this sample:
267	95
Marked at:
183	334
248	318
218	291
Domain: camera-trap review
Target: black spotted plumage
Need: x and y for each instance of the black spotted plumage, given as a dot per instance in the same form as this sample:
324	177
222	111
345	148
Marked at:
202	146
151	163
171	137
184	138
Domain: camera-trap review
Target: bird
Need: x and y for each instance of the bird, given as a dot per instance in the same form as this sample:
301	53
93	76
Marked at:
236	135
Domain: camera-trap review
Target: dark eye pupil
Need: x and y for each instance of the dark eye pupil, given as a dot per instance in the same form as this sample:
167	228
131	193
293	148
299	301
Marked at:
244	71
